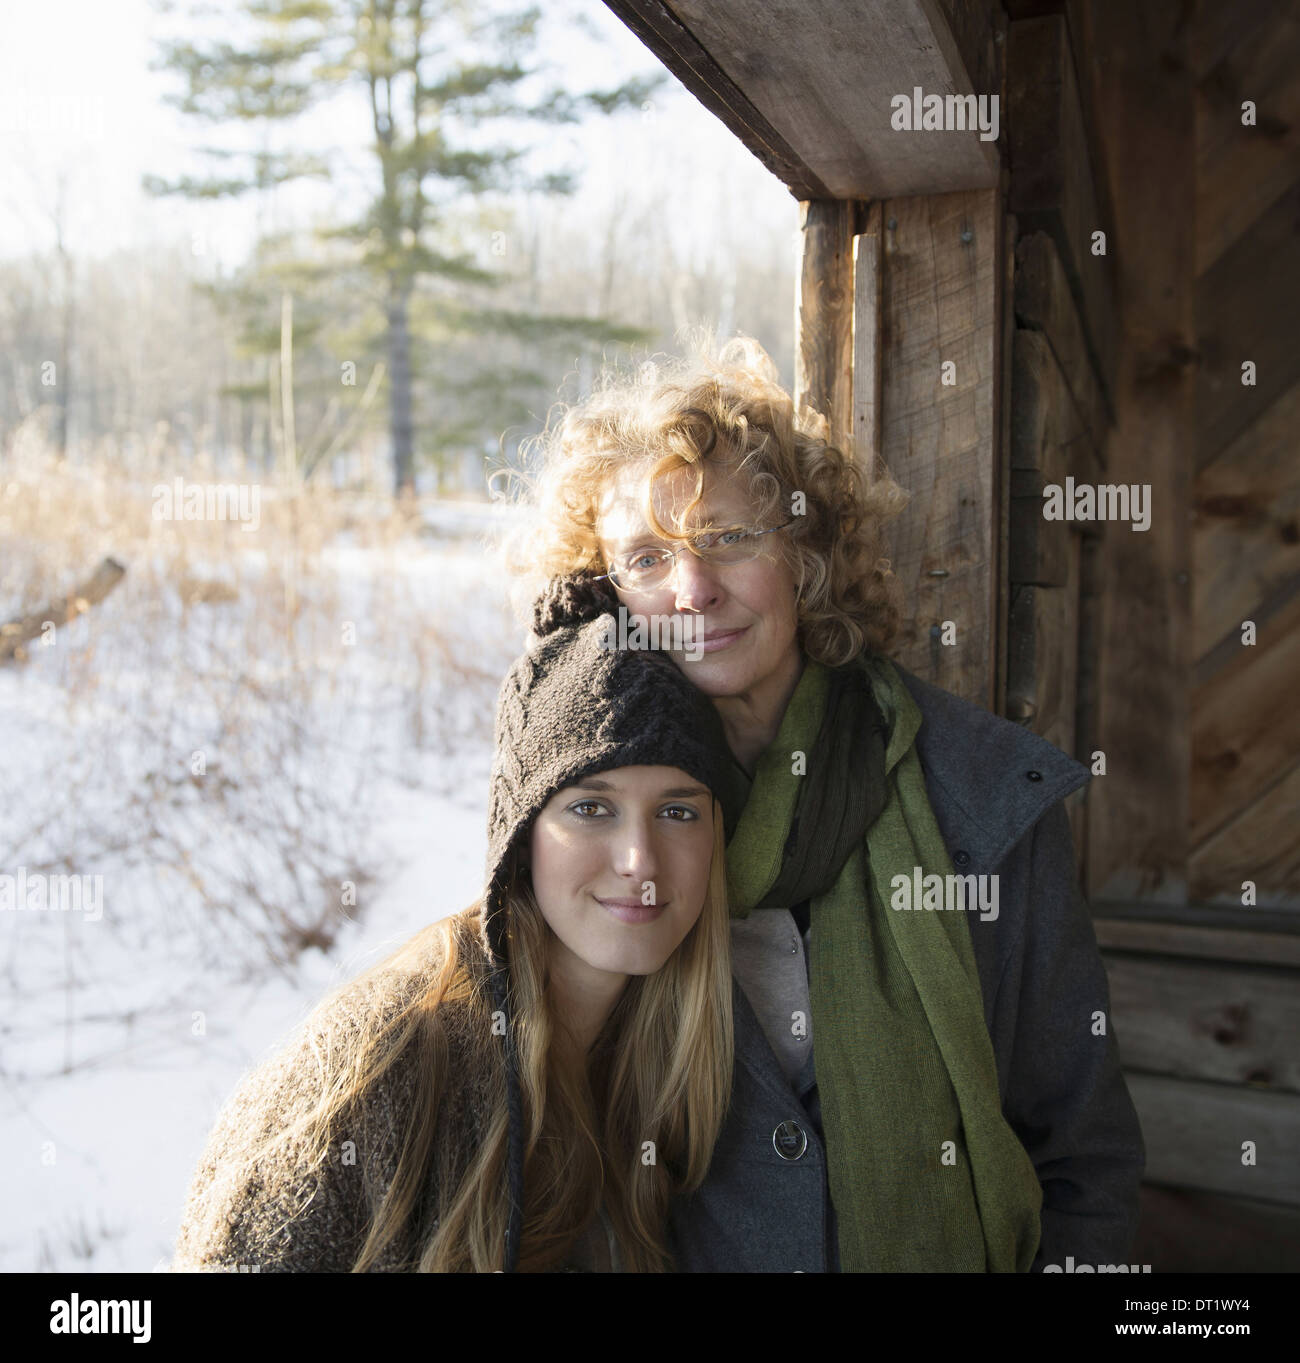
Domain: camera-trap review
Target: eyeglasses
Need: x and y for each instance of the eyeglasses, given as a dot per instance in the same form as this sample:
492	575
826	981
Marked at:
644	570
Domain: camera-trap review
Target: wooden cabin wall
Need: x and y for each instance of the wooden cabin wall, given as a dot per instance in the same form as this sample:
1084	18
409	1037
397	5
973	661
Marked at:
1200	790
1245	740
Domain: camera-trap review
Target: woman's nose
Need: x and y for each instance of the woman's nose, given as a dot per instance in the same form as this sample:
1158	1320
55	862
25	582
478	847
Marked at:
635	856
695	581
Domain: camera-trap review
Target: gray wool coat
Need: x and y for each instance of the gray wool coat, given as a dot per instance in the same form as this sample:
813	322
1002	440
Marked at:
997	791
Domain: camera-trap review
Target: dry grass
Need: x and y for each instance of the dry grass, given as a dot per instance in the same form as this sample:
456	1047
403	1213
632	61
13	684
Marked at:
218	720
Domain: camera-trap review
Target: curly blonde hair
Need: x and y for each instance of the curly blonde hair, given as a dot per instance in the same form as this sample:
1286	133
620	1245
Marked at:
730	413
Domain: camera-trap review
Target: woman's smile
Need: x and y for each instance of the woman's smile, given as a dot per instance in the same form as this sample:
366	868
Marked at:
630	910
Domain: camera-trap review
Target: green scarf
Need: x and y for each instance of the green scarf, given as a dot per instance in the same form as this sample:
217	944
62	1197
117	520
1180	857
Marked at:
925	1174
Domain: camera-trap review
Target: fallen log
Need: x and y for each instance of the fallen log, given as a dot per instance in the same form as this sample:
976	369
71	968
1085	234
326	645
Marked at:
17	633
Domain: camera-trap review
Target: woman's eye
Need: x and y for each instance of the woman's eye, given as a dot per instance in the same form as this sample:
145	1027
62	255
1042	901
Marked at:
685	810
646	559
732	536
585	805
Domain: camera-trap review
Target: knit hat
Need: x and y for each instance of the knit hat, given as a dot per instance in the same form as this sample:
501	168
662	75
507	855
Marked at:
573	705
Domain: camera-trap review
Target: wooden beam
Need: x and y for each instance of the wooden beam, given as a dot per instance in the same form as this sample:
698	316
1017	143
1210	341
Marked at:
823	360
943	262
868	342
808	86
1254	936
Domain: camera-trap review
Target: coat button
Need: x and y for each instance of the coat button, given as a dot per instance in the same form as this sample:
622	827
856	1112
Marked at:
1034	775
790	1140
961	857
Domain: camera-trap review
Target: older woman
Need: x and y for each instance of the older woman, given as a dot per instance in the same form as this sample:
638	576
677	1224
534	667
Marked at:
965	1110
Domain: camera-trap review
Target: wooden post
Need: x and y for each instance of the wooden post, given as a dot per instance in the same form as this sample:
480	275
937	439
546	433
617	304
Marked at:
824	316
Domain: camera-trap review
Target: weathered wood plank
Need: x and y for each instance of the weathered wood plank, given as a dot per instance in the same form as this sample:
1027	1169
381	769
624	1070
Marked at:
1195	1133
821	75
1260	845
1232	1024
1246	526
868	343
1253	936
824	316
1183	1231
1246	305
1217	29
1048	444
1044	303
1043	655
1241	170
1245	724
942	267
1138	822
1052	178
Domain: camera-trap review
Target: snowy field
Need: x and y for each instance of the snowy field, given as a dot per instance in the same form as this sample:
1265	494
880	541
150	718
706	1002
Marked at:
211	768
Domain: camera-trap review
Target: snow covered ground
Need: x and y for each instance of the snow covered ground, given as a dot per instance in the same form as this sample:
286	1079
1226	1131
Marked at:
123	1031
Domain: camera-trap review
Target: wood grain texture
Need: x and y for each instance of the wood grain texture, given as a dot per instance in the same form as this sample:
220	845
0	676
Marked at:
1246	306
824	317
1246	524
1217	29
1242	170
1053	185
1207	1020
1260	845
868	341
1044	303
1252	936
1138	815
1194	1134
1246	724
821	75
942	257
1043	655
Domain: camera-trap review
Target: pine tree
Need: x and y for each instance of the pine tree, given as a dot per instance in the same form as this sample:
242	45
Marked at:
424	66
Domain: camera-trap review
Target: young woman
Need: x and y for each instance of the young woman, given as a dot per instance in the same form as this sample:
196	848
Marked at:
529	1083
965	1111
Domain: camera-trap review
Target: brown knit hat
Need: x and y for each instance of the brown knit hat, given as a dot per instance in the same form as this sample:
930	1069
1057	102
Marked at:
575	704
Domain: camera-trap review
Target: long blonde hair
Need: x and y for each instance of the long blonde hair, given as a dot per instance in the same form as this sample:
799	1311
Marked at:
635	1132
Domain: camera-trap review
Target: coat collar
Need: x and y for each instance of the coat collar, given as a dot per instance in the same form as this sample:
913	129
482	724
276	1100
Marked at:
989	780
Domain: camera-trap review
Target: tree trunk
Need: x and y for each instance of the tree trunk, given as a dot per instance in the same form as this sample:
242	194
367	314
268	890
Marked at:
399	390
